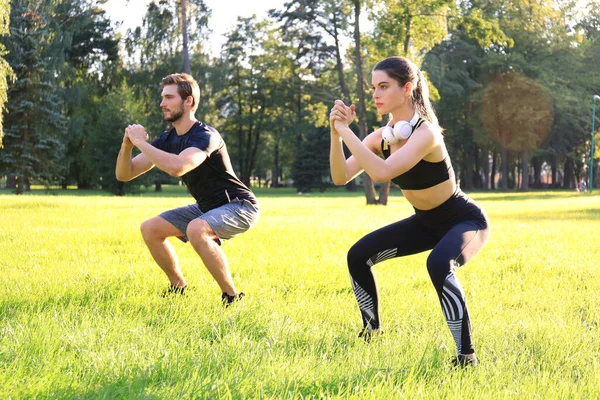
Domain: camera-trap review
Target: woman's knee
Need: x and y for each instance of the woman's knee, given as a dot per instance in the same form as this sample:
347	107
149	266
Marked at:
356	256
438	267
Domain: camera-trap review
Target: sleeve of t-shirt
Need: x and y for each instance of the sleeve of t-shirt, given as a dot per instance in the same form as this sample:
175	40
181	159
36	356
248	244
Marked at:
160	141
216	141
201	140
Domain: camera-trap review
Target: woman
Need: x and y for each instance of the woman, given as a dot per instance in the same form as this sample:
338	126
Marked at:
411	152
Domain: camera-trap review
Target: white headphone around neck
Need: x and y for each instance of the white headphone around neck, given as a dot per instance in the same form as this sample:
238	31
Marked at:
401	130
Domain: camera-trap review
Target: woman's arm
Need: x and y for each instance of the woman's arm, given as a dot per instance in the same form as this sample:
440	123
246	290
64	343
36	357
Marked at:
420	144
344	170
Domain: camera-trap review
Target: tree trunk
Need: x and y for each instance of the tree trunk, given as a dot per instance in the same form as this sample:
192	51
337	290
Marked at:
339	65
537	172
275	173
408	37
504	162
11	182
158	186
184	34
493	171
362	112
384	193
568	178
467	184
120	188
19	185
485	156
477	184
516	173
554	167
525	169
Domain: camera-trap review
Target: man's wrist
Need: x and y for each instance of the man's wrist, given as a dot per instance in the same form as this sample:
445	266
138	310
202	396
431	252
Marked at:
137	143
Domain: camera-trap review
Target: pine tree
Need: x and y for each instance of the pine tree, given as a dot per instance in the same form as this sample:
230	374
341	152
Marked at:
34	125
5	70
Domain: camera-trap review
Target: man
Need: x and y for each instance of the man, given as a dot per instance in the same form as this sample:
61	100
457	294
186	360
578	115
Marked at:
194	151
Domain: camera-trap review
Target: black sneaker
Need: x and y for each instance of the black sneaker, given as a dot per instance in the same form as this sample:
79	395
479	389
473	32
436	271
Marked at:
174	291
229	300
368	335
463	362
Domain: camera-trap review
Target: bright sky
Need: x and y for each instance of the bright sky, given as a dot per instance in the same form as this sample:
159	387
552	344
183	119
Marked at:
224	14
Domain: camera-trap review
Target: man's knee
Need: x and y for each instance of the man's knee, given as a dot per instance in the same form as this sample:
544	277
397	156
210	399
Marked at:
152	229
200	230
148	229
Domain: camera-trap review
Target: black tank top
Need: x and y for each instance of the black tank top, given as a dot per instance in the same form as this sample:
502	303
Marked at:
424	174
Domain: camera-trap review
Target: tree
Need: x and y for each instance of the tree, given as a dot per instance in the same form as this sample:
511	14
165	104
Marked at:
518	113
184	35
406	28
409	27
313	161
35	128
361	107
160	47
90	68
6	72
244	101
313	21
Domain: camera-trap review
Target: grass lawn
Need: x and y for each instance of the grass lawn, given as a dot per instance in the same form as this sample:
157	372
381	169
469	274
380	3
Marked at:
81	314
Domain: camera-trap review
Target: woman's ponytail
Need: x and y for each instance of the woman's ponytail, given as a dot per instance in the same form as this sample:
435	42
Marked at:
421	99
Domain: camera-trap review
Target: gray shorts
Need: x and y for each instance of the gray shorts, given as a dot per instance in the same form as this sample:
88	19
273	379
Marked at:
226	221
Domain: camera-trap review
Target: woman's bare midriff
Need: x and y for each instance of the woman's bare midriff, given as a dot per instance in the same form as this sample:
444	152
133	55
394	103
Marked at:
426	199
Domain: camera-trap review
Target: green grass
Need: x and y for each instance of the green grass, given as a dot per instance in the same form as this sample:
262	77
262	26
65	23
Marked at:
81	315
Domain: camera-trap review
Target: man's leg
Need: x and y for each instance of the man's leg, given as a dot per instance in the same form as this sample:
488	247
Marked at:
155	232
205	242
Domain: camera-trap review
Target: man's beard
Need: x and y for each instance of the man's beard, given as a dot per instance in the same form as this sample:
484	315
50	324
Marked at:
175	115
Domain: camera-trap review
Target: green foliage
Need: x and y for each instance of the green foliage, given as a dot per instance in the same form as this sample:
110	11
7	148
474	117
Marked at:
408	28
103	331
35	127
517	112
160	37
6	72
273	83
110	118
311	167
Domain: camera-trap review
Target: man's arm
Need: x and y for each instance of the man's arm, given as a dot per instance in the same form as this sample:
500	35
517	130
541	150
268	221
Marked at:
128	169
173	164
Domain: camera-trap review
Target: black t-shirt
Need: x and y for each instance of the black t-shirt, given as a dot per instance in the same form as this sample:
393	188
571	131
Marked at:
213	183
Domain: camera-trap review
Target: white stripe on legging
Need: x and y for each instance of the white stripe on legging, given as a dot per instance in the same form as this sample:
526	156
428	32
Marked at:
452	299
365	302
382	256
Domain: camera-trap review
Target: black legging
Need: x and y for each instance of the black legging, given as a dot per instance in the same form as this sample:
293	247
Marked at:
456	231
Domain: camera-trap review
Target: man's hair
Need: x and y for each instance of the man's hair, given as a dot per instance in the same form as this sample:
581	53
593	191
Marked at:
186	86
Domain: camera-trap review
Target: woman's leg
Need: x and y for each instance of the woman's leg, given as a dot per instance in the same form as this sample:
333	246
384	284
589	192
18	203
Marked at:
456	248
402	238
